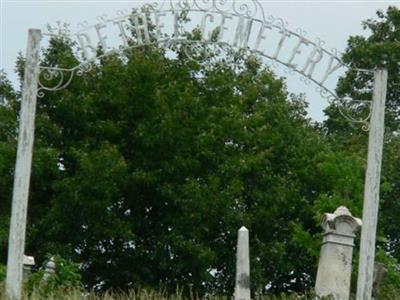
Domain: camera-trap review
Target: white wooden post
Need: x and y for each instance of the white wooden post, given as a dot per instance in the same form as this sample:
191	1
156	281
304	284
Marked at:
22	171
371	189
242	283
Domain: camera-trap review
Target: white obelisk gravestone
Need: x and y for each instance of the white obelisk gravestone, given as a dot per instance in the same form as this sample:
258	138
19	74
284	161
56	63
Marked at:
242	283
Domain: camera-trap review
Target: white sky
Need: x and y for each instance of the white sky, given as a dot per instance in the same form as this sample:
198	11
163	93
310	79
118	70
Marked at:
332	21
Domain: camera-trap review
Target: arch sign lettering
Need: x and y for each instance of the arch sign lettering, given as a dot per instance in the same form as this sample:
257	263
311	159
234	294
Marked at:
238	24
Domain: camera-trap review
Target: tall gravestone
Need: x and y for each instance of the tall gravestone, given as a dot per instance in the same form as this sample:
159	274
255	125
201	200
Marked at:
242	282
334	268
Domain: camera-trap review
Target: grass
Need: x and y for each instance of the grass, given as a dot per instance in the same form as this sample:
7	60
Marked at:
76	294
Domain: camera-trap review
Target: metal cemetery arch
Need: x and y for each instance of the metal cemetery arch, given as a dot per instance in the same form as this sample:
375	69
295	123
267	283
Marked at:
253	32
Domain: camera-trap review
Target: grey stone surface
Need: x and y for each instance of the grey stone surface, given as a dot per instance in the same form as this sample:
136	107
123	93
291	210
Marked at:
242	283
334	268
380	272
50	269
29	262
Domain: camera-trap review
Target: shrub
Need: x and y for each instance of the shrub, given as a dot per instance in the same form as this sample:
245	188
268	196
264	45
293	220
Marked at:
390	287
65	279
3	271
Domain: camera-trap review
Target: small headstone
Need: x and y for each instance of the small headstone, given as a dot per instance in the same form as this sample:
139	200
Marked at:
50	269
380	272
29	262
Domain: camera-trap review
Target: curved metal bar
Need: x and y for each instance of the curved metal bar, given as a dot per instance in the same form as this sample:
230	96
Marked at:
233	10
48	74
250	10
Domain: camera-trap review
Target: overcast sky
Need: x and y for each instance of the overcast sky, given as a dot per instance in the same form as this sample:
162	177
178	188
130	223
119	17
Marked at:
332	21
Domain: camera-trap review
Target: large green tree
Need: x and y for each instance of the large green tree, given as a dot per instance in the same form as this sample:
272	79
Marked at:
7	155
379	49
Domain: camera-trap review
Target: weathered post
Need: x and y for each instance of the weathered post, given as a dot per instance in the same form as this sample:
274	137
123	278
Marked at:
16	244
242	282
371	189
334	268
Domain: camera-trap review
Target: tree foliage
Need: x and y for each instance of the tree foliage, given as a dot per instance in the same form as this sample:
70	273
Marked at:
381	49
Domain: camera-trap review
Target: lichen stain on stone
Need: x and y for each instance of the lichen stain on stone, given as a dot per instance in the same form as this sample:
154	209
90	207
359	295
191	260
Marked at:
244	281
344	259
